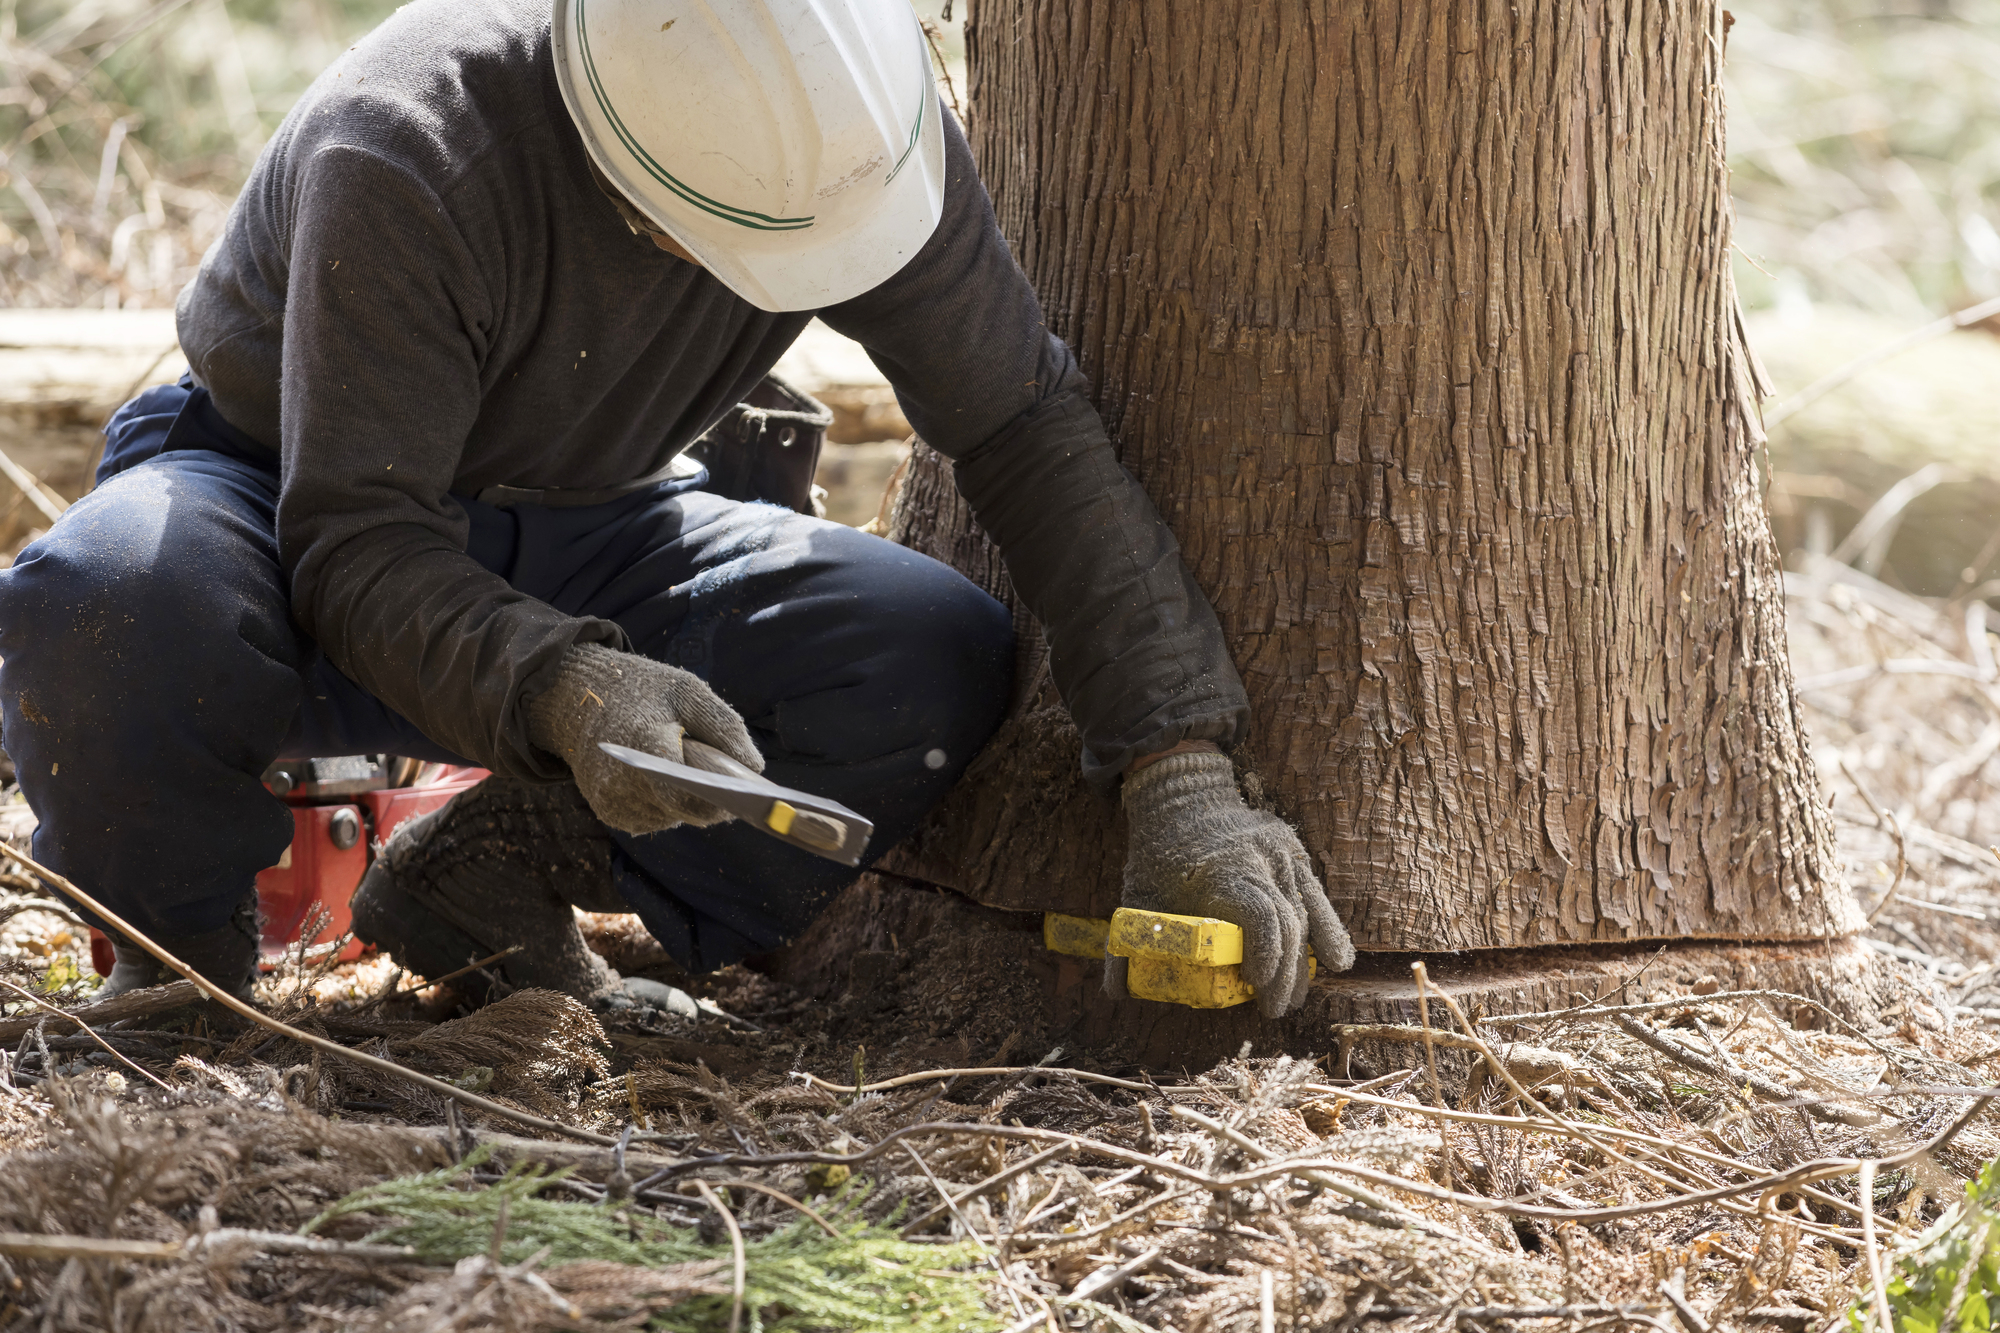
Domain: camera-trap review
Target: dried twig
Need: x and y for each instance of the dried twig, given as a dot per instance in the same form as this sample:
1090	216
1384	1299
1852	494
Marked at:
24	1245
1111	1279
736	1250
1675	1292
487	961
992	1182
1916	337
1489	1313
1529	1104
772	1193
1789	1181
26	483
1871	1251
1883	819
1402	1033
1325	1180
936	1075
1430	1066
333	1048
1738	1078
1068	1240
132	1004
37	1000
1899	1058
1007	1284
1429	1037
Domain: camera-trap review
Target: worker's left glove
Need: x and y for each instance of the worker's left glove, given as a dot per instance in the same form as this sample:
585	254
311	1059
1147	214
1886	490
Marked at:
1197	850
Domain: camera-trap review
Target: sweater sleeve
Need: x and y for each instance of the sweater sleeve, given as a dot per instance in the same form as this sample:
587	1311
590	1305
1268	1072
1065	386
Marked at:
385	325
1134	645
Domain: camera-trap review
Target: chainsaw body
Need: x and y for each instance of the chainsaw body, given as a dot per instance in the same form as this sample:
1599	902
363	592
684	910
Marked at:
343	809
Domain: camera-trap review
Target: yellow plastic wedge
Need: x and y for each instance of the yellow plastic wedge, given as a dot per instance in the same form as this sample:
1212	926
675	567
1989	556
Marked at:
1187	960
1078	936
1190	984
1203	941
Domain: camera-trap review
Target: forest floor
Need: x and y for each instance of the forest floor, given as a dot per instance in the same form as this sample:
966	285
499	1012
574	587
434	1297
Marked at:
875	1147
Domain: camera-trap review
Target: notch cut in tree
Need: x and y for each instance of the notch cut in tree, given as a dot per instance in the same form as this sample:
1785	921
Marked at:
1416	321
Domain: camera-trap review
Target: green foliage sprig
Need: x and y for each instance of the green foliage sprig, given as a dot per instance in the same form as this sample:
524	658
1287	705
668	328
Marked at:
1949	1281
798	1279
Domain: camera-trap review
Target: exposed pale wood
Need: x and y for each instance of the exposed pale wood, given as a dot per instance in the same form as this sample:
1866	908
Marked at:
1840	376
74	366
1833	460
62	373
1416	321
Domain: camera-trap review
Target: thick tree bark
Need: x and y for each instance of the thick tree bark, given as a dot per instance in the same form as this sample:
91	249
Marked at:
1416	321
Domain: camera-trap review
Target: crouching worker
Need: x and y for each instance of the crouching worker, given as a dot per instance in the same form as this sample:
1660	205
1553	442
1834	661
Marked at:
423	493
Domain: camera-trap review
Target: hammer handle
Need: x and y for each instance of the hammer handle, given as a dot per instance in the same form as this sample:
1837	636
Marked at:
697	755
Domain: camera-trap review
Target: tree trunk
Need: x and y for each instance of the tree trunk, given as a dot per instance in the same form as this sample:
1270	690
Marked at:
1416	321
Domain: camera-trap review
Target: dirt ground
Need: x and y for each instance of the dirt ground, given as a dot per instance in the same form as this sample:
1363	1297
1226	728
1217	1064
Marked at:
900	1118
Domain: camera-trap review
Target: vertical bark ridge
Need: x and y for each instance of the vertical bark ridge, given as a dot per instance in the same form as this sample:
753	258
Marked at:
1416	321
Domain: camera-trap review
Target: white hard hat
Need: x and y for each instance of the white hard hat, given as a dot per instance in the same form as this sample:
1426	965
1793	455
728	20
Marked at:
794	147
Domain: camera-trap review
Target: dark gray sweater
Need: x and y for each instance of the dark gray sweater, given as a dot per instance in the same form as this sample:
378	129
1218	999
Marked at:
421	293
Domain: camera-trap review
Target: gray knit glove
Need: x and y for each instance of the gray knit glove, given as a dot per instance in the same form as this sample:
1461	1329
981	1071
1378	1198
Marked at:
1195	849
600	694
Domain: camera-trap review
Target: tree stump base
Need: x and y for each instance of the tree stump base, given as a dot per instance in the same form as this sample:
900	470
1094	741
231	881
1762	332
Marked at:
901	963
1843	974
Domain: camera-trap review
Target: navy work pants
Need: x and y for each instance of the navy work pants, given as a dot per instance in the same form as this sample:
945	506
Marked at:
152	670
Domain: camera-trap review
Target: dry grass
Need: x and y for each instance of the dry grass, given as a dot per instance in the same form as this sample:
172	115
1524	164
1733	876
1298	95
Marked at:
1615	1174
126	127
1629	1175
1862	138
1864	146
1706	1149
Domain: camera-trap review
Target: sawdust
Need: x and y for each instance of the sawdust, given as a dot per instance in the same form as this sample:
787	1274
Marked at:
918	976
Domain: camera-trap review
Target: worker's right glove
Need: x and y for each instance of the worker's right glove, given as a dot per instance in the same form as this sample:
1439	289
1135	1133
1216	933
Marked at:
1195	849
600	694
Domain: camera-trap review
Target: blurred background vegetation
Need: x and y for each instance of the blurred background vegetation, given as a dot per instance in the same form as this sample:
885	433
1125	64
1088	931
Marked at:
126	127
1864	141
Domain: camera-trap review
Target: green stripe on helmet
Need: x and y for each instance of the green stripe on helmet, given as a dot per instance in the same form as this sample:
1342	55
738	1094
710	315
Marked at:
924	96
742	217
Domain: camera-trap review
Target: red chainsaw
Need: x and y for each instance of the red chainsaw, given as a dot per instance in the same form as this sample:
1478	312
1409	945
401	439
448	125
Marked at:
343	808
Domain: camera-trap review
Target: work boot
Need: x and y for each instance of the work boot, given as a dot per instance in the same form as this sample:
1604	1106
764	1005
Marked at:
226	956
501	865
